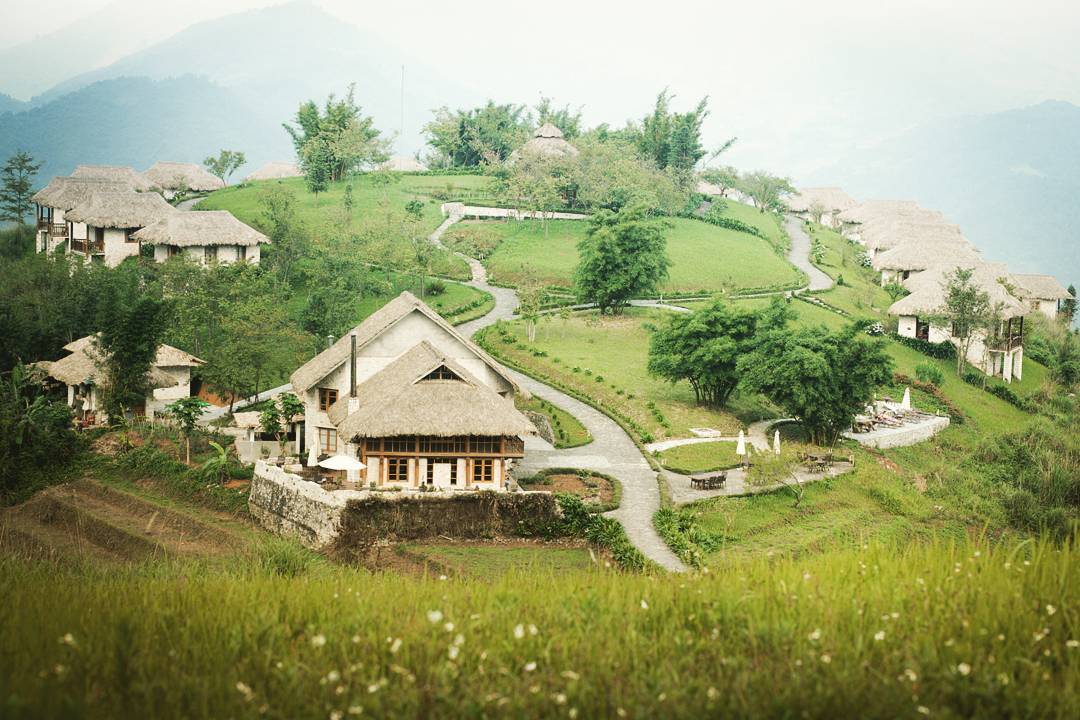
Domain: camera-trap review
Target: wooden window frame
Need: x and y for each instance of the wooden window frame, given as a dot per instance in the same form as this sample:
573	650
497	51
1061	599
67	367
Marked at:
483	470
325	399
397	469
330	445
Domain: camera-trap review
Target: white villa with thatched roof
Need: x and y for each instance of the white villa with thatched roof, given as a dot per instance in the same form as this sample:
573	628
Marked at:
171	178
1042	293
887	233
80	370
418	403
822	204
110	220
275	171
927	248
204	236
999	356
546	142
854	221
116	173
57	198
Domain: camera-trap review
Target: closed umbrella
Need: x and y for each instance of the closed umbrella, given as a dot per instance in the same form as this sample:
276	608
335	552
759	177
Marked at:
740	448
906	402
776	442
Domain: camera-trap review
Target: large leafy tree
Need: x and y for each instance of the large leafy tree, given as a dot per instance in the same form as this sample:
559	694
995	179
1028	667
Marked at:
725	177
186	412
17	187
481	136
966	310
671	139
335	141
224	164
623	255
822	377
289	239
612	174
766	190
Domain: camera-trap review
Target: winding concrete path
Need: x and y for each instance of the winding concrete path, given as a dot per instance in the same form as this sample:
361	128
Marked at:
799	255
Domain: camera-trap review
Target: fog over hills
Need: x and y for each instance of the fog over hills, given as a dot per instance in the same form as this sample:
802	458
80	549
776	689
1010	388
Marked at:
1011	180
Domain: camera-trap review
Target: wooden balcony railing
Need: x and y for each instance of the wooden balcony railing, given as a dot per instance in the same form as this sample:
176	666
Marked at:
54	229
87	246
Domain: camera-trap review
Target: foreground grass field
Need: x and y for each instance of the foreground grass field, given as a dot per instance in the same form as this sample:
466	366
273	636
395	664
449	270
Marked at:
704	258
938	629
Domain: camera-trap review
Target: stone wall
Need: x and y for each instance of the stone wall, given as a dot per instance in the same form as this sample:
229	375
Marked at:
286	504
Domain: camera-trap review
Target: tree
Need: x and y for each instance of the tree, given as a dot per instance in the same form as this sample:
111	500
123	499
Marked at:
612	174
767	191
1068	307
36	434
530	301
17	187
336	141
225	164
966	311
186	412
316	161
823	378
275	419
289	241
703	349
673	140
623	255
1065	360
481	136
726	178
131	322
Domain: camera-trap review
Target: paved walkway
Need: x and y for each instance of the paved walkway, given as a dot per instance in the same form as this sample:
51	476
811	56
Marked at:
799	255
737	485
756	434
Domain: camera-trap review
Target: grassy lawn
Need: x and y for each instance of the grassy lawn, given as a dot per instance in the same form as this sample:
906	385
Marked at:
604	358
704	258
700	457
568	431
492	561
861	295
765	222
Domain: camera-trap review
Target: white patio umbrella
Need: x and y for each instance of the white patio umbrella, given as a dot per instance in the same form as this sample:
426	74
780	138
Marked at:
350	465
776	442
740	449
906	402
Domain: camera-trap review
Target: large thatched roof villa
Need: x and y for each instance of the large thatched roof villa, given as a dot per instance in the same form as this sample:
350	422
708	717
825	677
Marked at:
546	142
821	204
60	196
418	403
116	173
275	171
1042	292
204	236
110	220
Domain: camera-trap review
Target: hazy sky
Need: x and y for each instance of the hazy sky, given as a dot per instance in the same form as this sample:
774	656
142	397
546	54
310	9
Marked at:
797	81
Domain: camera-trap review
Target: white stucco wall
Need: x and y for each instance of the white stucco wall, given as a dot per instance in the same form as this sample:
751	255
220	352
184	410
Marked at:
1049	308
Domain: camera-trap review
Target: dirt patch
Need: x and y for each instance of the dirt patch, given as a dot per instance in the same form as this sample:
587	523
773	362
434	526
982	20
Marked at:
887	464
591	489
238	484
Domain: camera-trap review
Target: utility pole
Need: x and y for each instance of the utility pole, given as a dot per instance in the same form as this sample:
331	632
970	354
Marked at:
401	130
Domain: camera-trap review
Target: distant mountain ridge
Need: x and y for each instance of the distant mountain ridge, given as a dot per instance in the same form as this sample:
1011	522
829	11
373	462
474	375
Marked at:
1011	180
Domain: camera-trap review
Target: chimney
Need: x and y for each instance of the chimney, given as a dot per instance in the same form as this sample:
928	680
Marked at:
329	341
352	366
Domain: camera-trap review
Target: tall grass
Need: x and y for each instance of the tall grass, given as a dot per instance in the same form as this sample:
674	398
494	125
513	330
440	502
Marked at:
970	629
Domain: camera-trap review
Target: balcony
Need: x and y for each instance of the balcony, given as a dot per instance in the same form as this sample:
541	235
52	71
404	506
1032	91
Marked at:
56	230
87	247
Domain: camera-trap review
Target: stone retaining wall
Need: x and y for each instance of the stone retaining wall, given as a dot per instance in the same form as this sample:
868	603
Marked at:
288	505
885	438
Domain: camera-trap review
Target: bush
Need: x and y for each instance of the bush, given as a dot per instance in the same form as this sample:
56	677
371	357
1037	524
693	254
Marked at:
941	351
435	286
930	374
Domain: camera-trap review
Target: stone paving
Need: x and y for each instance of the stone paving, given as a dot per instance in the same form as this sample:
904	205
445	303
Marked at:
799	255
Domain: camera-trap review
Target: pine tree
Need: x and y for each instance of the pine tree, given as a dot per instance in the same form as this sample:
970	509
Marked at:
17	187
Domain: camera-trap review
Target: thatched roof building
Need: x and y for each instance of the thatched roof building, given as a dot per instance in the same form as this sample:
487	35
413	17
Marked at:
924	251
871	210
116	173
928	289
173	176
830	199
425	393
64	193
200	228
121	210
1040	287
887	233
275	171
83	365
546	142
402	163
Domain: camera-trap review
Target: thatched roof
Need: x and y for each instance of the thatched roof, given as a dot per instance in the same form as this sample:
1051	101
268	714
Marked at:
179	175
82	364
871	210
928	289
64	193
886	234
831	199
1040	287
397	400
310	373
121	210
116	173
401	163
200	227
275	171
547	142
922	253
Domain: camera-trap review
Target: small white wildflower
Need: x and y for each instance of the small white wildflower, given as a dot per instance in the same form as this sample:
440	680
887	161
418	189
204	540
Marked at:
533	630
356	639
356	710
336	715
333	676
571	713
816	635
644	605
712	693
318	640
1050	609
453	651
245	690
910	675
806	577
449	627
530	666
559	698
1003	679
922	710
879	635
963	669
442	577
395	646
434	616
826	658
519	632
570	675
459	639
1072	643
68	639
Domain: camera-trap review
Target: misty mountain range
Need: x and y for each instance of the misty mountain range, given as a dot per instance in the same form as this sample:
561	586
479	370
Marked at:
1009	179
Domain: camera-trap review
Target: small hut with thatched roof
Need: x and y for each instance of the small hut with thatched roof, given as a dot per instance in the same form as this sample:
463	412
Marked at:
205	236
169	377
418	403
999	355
171	178
403	163
820	204
110	220
58	197
852	222
928	246
115	173
1042	292
546	142
275	171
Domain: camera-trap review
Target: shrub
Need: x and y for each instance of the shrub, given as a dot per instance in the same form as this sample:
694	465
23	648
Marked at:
941	351
930	374
435	286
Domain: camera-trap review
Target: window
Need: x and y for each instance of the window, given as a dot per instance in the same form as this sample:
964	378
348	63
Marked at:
399	444
210	253
128	232
327	397
397	470
327	441
441	373
922	330
172	250
483	470
242	253
484	445
99	235
442	445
